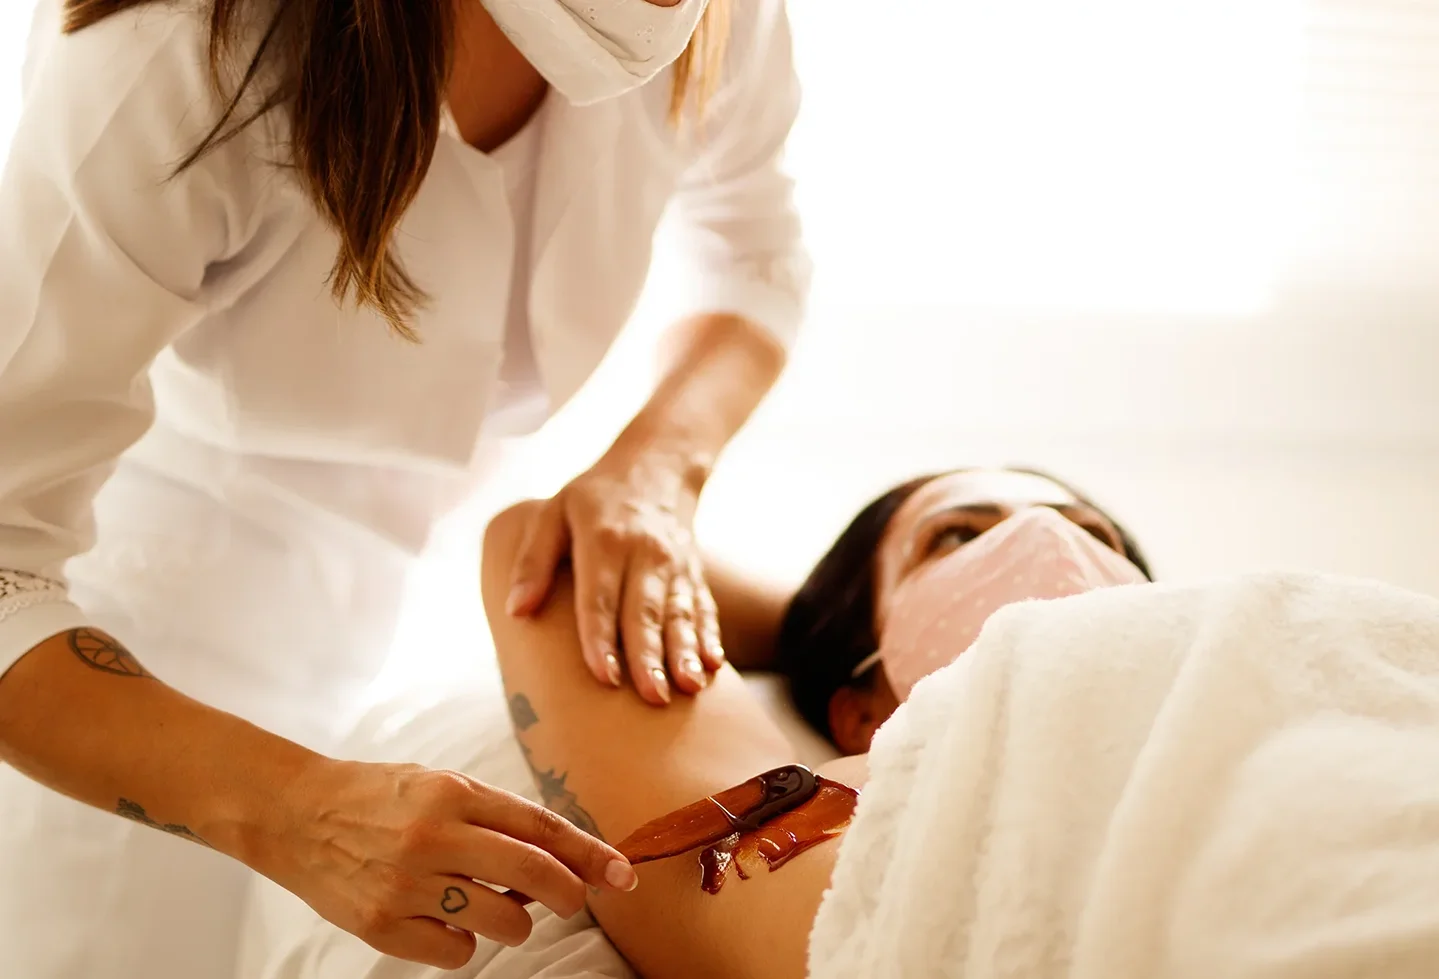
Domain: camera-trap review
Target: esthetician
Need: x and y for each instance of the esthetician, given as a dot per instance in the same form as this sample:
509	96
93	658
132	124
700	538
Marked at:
269	270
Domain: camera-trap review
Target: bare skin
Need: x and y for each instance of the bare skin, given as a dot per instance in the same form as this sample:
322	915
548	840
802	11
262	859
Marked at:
609	763
493	90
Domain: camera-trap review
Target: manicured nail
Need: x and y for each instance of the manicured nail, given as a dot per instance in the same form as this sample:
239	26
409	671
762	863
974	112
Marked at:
612	667
621	876
692	668
662	683
519	598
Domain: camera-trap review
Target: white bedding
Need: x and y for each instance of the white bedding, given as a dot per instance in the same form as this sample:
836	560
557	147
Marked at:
468	732
1239	781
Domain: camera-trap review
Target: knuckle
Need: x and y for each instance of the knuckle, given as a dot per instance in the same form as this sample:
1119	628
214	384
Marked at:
651	614
396	882
547	826
656	549
610	537
534	865
375	920
418	837
604	605
452	789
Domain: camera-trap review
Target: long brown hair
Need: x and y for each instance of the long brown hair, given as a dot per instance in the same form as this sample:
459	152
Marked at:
364	83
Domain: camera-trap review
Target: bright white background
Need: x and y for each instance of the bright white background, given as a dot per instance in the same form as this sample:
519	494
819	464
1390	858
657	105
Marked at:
1182	251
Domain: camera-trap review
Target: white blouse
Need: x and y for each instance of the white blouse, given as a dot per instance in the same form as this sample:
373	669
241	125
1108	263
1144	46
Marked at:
160	332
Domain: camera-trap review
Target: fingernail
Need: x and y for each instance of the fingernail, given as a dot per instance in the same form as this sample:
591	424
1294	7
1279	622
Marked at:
612	667
621	876
519	595
693	669
662	683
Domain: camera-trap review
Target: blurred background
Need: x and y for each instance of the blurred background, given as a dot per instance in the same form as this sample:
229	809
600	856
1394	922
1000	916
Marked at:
1183	254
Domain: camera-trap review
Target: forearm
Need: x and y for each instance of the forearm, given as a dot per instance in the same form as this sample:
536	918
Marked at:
715	370
81	715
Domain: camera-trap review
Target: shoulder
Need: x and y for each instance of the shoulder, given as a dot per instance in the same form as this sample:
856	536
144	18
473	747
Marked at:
146	67
152	41
118	105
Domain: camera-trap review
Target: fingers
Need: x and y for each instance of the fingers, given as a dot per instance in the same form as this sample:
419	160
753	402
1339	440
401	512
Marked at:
681	641
599	568
483	854
546	544
642	617
461	903
593	861
711	649
424	940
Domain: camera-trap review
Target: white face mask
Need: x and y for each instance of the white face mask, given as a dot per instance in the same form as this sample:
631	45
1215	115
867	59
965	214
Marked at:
592	50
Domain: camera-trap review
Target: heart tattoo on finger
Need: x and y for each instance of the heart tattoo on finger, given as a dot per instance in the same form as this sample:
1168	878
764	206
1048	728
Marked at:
454	901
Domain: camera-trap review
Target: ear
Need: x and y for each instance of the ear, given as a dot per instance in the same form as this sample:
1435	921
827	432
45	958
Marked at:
853	719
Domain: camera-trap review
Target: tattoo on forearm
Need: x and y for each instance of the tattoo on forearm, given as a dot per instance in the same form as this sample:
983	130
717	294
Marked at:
553	791
136	813
98	651
454	901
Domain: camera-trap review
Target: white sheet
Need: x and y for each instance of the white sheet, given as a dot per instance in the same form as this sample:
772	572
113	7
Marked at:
1238	780
468	732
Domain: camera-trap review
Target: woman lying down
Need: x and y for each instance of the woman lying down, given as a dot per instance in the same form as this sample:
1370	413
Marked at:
1236	779
733	894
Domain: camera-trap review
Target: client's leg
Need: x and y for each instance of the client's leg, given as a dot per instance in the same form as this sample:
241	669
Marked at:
608	762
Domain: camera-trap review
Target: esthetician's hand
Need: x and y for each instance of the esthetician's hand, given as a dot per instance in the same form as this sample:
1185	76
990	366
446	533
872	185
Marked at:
640	593
392	853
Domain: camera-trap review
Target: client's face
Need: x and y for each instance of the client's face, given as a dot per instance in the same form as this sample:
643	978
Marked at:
950	511
938	519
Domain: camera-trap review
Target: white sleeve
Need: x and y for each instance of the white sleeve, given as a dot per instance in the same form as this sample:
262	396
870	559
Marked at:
103	260
737	223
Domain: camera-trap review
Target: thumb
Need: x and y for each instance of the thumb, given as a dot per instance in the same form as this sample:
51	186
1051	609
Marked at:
546	544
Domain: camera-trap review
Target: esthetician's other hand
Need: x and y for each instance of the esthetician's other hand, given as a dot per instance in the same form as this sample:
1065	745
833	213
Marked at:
640	594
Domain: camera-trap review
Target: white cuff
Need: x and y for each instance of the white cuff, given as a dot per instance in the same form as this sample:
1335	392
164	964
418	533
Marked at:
25	625
776	309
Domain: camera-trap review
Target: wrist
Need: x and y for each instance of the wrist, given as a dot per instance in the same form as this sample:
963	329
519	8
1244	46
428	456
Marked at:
257	819
654	443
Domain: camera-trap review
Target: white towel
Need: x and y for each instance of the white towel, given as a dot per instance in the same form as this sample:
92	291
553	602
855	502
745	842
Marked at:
1238	780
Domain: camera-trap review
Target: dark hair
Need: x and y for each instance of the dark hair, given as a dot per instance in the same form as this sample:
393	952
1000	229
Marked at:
829	629
364	82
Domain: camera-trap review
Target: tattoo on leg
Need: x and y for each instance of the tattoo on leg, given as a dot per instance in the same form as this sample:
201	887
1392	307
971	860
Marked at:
522	713
553	792
100	652
559	799
135	812
454	901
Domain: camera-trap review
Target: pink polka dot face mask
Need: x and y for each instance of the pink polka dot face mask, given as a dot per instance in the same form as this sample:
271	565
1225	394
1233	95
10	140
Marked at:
937	613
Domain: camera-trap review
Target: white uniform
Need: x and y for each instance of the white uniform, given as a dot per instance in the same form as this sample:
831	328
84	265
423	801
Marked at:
202	453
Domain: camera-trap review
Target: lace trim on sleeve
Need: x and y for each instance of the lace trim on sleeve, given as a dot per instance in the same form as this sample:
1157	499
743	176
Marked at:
22	590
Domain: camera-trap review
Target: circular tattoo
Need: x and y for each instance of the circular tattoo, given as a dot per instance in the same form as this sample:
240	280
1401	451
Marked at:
454	901
105	654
